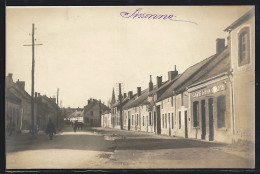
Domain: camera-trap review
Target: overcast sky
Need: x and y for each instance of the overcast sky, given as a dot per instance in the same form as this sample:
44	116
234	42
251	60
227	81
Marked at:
86	51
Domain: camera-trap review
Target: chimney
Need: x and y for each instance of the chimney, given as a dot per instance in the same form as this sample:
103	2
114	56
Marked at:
39	94
159	81
138	91
130	94
10	75
220	45
172	74
150	84
125	95
21	84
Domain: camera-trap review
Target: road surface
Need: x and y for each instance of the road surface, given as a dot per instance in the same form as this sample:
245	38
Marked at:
98	148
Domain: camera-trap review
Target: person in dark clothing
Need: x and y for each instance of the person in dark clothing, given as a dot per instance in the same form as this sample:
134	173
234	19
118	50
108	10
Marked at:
50	129
75	127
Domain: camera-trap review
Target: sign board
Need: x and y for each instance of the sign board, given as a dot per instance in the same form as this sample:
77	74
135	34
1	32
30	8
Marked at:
207	91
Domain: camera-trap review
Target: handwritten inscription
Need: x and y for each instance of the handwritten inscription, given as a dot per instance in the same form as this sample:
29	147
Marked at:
137	14
208	91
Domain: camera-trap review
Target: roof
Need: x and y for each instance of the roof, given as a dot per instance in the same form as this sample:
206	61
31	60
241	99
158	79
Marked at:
11	97
135	102
93	103
193	73
241	20
76	113
223	66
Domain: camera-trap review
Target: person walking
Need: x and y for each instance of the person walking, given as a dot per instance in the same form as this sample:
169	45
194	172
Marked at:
75	127
50	129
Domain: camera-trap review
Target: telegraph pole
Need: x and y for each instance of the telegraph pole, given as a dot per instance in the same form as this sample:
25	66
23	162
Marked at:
32	91
120	100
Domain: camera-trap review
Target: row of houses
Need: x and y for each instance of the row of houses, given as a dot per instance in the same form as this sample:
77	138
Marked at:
212	100
18	108
90	114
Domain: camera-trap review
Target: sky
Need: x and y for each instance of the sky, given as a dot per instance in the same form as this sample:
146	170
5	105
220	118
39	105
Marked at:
87	51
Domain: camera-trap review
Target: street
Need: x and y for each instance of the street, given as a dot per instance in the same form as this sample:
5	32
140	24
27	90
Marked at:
96	148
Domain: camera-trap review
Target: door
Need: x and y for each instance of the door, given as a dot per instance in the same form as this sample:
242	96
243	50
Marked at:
169	123
211	123
186	123
129	121
158	120
154	121
203	120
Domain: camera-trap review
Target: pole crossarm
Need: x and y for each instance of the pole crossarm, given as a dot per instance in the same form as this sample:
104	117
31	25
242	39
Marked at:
32	45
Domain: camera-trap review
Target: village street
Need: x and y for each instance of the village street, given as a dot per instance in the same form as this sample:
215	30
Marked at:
109	148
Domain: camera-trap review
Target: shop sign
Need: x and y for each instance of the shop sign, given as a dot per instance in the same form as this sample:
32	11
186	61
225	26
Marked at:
207	91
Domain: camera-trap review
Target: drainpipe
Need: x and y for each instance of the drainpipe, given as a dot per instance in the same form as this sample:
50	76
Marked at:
229	74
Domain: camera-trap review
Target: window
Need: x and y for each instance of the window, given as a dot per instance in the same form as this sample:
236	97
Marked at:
163	120
91	113
162	104
143	120
243	47
221	110
137	119
172	121
132	119
182	99
179	119
172	101
195	114
150	118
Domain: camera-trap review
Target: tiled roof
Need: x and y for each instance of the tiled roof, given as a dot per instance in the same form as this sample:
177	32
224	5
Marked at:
223	66
11	97
192	74
76	114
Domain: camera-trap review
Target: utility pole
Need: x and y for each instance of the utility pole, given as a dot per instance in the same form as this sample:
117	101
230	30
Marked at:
120	100
57	109
32	92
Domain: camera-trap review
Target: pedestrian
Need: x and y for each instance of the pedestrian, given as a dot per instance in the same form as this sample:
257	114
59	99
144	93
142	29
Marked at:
50	129
75	127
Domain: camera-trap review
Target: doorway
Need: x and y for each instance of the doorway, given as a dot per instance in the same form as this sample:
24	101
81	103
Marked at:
211	123
129	121
169	121
186	123
158	120
203	120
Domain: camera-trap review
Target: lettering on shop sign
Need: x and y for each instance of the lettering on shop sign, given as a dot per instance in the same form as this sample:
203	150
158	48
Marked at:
136	14
207	91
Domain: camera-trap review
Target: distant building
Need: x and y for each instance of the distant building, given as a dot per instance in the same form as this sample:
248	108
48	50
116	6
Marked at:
93	111
106	119
77	115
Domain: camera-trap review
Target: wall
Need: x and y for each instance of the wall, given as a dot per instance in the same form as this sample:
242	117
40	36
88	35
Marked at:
244	85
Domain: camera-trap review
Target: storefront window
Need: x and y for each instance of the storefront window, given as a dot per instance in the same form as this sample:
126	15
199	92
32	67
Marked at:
195	114
221	110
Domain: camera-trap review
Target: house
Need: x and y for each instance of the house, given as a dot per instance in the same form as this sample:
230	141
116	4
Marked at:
176	114
93	111
242	45
77	115
209	98
115	110
13	112
18	89
106	119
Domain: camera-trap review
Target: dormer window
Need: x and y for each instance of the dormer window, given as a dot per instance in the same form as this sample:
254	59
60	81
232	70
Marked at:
244	46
